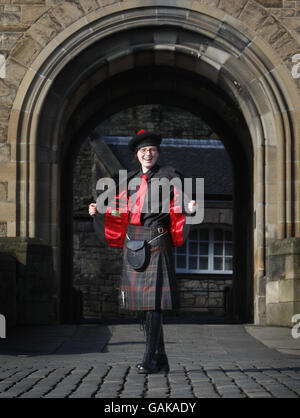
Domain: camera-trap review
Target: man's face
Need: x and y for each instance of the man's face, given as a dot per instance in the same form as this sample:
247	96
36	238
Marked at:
147	157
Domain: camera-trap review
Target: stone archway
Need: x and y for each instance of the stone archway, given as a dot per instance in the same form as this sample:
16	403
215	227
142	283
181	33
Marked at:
167	85
243	73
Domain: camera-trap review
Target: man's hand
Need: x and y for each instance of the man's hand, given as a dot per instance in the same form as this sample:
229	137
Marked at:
192	206
92	209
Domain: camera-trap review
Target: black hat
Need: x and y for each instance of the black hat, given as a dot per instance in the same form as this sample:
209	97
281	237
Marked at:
144	139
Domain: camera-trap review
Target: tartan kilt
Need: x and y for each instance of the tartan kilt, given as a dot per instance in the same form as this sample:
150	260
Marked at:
155	287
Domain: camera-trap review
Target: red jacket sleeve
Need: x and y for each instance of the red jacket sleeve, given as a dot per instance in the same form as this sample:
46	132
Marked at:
116	220
178	227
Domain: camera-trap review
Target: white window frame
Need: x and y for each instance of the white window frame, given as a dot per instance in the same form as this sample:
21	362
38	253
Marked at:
211	254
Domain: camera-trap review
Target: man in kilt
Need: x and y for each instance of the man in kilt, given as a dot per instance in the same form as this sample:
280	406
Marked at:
147	223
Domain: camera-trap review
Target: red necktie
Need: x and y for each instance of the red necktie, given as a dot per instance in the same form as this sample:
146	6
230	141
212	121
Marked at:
139	202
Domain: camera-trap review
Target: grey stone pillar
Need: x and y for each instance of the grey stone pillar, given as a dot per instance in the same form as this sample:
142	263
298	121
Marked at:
283	282
32	291
8	289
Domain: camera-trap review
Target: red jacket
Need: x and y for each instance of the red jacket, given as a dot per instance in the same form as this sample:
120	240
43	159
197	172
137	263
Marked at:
116	217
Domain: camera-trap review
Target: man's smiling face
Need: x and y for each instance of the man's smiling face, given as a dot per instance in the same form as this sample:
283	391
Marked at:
147	157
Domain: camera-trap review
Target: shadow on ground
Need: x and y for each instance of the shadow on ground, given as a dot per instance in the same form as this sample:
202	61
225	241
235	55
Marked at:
55	339
85	337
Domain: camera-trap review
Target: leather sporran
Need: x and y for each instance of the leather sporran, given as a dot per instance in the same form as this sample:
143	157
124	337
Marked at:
138	254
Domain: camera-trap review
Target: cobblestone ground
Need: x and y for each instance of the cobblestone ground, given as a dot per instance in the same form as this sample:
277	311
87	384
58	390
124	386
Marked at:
92	361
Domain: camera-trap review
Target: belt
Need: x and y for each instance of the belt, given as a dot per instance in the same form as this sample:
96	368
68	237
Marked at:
162	231
147	232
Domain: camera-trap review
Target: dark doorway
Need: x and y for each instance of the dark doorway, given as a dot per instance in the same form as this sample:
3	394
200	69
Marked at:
169	86
204	264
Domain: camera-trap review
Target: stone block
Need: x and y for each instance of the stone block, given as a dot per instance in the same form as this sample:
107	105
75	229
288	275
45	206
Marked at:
283	292
25	50
290	264
261	286
233	37
28	1
3	131
279	314
104	3
191	284
34	272
8	289
120	62
66	13
271	193
271	208
276	267
270	3
31	13
297	291
4	151
253	15
10	16
296	309
90	266
45	29
4	108
8	211
89	5
286	290
261	305
284	247
3	229
273	314
232	7
9	39
271	30
3	190
272	292
209	26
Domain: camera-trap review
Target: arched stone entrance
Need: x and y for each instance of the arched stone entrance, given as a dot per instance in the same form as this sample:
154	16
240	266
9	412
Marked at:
166	85
190	55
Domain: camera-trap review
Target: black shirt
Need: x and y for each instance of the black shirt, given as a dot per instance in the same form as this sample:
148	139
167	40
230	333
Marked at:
160	193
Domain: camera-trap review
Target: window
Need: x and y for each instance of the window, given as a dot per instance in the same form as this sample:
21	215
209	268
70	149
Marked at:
207	250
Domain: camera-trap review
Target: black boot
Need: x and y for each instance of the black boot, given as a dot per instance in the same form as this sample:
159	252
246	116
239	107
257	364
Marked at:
161	356
160	353
144	327
153	329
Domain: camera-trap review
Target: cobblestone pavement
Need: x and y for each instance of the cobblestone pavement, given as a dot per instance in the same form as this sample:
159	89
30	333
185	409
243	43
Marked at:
97	361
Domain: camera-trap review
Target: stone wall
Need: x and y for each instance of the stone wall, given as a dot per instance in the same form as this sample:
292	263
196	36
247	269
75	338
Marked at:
170	121
206	295
17	16
26	280
96	272
283	282
8	288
